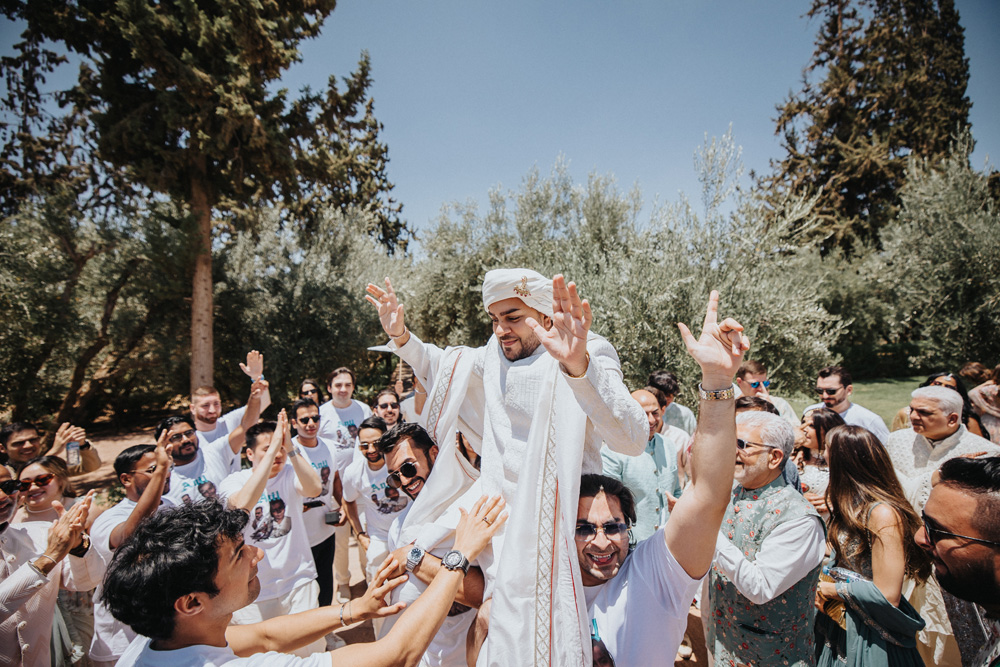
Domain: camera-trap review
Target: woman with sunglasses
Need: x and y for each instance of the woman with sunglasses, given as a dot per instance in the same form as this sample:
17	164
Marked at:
951	381
45	479
311	389
865	620
810	455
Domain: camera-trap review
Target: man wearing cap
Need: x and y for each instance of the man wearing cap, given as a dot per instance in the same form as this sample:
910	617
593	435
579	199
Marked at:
542	373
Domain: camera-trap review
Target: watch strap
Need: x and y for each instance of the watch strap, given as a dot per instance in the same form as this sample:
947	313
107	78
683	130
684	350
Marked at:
726	394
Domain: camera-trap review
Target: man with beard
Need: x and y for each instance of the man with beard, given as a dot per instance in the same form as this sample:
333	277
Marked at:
196	463
542	373
410	455
144	472
387	407
206	406
834	388
937	435
961	534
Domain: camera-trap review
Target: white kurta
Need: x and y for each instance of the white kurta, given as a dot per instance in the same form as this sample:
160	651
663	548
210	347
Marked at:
541	426
915	458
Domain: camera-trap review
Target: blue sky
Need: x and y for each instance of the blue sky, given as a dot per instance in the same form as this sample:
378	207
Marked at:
474	94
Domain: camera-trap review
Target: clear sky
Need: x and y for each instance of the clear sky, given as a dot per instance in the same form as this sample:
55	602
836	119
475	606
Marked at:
474	94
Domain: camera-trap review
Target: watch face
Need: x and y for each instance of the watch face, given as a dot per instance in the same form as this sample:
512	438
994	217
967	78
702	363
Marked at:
452	558
416	553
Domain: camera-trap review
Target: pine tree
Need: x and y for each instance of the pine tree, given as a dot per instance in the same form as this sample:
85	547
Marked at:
893	83
184	97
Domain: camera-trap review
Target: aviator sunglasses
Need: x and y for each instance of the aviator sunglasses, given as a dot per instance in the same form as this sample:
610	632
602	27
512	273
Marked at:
409	468
586	531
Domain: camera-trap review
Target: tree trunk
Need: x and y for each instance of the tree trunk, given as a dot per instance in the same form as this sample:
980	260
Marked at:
201	291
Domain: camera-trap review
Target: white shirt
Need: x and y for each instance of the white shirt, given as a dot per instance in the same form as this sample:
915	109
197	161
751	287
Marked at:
856	415
915	458
381	504
447	649
321	458
680	416
224	425
336	426
28	598
641	614
212	463
788	553
111	636
278	530
139	654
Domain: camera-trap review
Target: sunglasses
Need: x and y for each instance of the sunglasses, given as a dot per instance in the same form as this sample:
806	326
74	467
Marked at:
743	444
830	392
586	531
178	437
12	486
934	534
306	392
308	419
409	468
756	385
40	481
386	406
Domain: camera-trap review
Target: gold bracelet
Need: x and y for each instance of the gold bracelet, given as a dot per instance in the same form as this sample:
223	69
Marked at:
577	377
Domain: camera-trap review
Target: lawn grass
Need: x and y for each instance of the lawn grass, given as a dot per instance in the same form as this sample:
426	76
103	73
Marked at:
883	396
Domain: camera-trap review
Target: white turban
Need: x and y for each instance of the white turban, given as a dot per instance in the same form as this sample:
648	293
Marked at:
531	287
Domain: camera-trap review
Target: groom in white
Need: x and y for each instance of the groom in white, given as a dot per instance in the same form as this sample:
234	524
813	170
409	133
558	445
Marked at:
535	402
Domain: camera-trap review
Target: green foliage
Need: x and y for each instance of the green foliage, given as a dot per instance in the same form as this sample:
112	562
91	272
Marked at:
91	307
893	85
300	301
640	278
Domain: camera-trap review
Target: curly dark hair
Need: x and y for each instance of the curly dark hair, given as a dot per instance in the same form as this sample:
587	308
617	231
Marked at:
171	554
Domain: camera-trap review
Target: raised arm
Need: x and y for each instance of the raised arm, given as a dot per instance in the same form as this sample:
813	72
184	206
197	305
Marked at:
596	380
254	369
412	633
250	493
695	520
149	501
307	480
238	438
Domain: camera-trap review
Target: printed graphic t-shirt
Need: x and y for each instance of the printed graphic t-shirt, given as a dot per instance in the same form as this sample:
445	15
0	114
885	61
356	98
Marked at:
369	489
340	428
323	459
200	479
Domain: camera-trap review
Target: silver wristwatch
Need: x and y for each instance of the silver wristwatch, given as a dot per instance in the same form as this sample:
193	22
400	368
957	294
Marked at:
414	557
454	560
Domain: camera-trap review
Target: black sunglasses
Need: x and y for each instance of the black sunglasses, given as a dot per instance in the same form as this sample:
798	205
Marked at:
831	392
933	534
409	468
12	486
308	419
306	392
586	531
386	406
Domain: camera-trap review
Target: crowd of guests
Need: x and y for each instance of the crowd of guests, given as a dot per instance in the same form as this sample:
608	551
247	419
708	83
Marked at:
843	541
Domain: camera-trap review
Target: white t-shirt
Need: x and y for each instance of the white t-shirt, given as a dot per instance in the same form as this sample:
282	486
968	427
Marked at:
447	649
111	636
224	425
856	415
641	614
339	427
139	654
380	502
212	464
276	527
323	459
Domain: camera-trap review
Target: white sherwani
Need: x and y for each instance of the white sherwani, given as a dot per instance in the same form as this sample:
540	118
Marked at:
951	631
536	429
